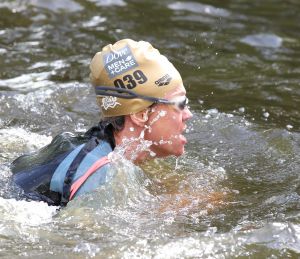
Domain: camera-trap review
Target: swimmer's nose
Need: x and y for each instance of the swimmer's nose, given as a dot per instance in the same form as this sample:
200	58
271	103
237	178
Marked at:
187	114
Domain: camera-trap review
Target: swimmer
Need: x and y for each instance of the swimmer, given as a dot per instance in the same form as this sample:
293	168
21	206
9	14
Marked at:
141	96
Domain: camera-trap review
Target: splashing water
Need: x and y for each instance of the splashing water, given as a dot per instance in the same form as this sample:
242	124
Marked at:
176	164
236	191
161	114
140	144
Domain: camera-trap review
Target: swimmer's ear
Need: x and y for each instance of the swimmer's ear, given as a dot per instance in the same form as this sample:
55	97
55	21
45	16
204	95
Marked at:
140	118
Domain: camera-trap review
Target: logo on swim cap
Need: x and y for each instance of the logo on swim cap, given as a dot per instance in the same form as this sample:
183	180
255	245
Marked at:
109	102
165	80
118	62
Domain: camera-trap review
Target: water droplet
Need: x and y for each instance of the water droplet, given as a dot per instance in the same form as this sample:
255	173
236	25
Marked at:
152	154
162	113
176	163
266	114
142	134
241	109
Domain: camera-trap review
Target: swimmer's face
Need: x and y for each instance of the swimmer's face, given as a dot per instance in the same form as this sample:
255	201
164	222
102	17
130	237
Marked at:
166	125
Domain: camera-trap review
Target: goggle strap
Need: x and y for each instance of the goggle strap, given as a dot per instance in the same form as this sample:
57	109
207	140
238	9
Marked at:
127	94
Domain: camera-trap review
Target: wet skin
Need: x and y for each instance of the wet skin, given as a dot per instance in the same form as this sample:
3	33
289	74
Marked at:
166	132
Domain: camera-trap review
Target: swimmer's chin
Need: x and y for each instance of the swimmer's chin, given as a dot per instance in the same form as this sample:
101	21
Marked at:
181	150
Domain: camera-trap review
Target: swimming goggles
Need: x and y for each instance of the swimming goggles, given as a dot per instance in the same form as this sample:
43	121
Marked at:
180	102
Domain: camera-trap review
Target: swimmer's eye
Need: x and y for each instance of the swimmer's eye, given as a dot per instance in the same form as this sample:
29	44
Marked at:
180	103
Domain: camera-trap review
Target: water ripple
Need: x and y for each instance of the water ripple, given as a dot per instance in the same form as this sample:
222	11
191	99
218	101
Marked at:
263	40
199	8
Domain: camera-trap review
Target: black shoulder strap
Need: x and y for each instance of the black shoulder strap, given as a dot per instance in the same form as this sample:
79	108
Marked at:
88	147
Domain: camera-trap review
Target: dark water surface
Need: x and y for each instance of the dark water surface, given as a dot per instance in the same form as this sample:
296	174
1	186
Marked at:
236	191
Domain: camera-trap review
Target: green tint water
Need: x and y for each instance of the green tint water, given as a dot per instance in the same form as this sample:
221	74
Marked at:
235	193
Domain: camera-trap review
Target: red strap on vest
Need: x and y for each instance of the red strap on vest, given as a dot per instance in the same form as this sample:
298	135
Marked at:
81	180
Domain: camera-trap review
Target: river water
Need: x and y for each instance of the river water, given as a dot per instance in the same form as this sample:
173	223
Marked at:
236	191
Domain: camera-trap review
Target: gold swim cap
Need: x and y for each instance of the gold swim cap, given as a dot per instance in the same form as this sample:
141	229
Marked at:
134	66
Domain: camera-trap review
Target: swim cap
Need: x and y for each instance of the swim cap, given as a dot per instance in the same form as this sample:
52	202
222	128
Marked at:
135	66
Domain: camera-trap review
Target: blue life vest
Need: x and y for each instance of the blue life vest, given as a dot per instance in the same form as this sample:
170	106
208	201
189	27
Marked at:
51	181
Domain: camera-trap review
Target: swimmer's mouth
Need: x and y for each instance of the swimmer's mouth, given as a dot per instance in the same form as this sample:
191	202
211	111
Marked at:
182	137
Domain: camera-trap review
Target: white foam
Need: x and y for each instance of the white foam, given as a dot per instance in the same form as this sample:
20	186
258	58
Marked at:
89	248
22	140
27	213
94	21
56	6
108	2
56	64
212	111
28	81
263	40
199	8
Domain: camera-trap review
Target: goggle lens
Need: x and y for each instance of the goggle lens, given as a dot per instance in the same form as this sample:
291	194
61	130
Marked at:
180	102
181	105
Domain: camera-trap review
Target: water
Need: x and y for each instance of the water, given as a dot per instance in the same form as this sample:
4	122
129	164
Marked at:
235	193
